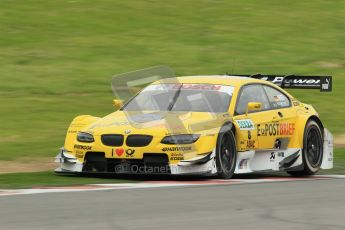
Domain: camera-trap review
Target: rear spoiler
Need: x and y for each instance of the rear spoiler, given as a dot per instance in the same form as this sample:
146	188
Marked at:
324	83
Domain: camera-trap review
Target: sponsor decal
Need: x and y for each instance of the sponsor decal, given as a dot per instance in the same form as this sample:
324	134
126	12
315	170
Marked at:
82	147
302	82
243	164
294	81
72	131
250	144
245	124
130	152
273	156
79	154
176	156
119	151
326	84
330	158
177	149
210	135
296	103
277	144
279	97
197	87
106	124
281	154
276	129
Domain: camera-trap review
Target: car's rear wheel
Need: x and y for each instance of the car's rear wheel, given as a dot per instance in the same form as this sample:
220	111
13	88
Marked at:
226	155
312	150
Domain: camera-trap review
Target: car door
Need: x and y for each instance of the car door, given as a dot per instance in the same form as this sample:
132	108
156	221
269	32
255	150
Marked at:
257	129
283	113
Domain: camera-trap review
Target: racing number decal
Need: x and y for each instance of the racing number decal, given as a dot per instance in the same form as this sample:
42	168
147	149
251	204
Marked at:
247	138
245	124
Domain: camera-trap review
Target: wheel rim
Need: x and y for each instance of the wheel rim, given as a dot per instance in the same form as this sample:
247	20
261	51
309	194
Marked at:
314	147
227	150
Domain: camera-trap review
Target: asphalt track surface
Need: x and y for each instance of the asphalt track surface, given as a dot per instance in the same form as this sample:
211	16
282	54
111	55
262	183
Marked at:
315	204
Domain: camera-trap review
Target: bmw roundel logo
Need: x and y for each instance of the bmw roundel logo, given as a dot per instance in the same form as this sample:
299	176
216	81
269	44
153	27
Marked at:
127	131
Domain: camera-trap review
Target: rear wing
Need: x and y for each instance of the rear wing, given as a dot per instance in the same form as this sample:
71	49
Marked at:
324	83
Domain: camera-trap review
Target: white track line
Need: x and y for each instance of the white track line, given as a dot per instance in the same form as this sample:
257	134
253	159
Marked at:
160	184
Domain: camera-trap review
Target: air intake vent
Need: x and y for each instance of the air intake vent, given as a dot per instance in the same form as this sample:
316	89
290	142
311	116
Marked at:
138	140
112	139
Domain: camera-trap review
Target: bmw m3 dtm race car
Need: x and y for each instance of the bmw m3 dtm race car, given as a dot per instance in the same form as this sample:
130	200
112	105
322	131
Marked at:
206	125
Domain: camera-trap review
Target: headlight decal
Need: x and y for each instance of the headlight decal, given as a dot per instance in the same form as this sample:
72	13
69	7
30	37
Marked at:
180	139
85	137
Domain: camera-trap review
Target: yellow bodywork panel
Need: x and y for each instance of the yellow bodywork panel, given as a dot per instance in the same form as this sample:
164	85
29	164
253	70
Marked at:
118	122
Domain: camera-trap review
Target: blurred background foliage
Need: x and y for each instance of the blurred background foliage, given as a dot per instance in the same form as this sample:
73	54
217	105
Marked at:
57	57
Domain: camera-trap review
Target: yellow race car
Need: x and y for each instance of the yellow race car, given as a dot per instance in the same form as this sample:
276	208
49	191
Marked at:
206	125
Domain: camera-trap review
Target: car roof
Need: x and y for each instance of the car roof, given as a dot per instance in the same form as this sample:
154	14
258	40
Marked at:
212	79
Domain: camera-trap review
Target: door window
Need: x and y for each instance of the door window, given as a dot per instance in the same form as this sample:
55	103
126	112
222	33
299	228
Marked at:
252	93
276	98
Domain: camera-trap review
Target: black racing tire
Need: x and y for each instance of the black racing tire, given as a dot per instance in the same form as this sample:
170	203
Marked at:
226	155
312	152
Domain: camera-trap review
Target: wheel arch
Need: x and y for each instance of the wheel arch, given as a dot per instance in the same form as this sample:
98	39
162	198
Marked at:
226	128
301	123
317	120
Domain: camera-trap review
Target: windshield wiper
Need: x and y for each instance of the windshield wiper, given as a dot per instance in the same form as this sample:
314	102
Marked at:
177	94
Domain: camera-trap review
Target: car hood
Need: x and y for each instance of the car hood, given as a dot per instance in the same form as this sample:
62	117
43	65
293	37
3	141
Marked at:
158	123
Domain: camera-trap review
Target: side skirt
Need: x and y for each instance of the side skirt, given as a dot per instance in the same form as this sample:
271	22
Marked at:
268	160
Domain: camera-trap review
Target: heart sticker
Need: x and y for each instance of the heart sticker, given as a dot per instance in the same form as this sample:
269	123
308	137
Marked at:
119	152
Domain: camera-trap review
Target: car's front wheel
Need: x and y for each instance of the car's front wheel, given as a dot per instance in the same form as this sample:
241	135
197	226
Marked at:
226	155
312	150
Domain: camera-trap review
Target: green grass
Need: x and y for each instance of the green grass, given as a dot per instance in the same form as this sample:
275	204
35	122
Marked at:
38	179
57	57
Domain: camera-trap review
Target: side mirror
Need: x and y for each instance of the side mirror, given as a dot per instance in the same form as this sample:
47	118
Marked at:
117	103
253	106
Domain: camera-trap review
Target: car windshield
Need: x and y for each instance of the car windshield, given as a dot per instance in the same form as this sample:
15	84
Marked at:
182	97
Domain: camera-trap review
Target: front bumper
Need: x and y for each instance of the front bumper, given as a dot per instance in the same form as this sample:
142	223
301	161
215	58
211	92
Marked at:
150	164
